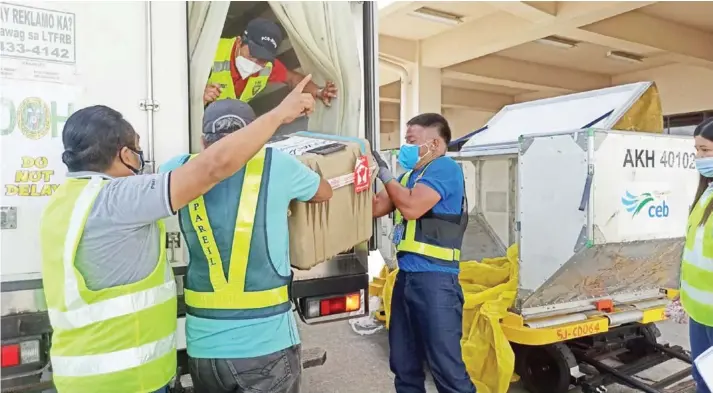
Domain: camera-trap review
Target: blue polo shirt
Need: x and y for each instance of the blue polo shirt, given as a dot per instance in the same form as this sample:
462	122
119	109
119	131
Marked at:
247	338
445	177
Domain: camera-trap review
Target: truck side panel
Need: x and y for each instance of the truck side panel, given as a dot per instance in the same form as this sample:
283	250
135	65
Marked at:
170	123
56	58
59	57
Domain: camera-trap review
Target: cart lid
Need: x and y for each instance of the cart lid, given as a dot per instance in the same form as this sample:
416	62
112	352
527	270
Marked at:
597	108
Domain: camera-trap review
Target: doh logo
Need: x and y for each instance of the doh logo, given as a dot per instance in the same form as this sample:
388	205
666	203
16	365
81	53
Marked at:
34	117
651	204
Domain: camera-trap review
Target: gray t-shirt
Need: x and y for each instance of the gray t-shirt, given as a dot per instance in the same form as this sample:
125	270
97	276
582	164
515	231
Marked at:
120	243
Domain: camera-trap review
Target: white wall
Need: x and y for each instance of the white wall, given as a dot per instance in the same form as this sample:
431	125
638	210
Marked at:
683	88
389	135
463	121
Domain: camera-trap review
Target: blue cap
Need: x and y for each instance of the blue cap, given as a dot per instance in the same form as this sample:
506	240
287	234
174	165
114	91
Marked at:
225	116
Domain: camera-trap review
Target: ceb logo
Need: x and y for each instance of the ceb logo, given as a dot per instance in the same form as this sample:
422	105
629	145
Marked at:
646	202
660	210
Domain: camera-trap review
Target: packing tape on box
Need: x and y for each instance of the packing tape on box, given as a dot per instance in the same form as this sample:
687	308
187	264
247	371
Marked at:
345	180
341	181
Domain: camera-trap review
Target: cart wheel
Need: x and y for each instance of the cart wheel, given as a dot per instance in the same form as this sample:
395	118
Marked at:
519	351
546	369
641	346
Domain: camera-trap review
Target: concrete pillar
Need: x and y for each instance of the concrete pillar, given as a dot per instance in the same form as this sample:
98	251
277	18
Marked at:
407	104
427	84
421	93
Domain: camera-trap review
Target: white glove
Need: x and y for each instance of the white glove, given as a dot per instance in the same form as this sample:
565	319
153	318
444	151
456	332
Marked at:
676	313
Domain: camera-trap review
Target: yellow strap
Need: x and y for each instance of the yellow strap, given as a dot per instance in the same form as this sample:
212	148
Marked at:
232	294
232	300
398	218
694	220
256	84
409	244
429	250
244	221
220	73
204	231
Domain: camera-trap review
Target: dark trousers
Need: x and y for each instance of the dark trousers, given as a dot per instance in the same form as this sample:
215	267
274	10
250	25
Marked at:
701	337
278	372
426	326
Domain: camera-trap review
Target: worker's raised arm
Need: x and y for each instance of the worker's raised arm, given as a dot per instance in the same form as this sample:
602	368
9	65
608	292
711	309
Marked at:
228	155
414	202
411	202
325	94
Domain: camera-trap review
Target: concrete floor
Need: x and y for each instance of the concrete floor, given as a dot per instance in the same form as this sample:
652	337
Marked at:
360	364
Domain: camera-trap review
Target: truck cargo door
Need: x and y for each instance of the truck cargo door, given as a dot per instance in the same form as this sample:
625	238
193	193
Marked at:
58	57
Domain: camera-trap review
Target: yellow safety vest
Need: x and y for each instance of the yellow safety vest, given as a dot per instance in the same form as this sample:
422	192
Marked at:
408	241
114	340
697	266
221	74
230	293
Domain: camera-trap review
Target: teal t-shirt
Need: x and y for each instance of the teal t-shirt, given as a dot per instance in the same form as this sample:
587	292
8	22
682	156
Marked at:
247	338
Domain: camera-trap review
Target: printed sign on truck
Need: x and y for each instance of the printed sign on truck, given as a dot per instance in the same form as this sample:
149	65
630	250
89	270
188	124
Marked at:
645	207
37	44
653	204
37	34
32	117
663	158
643	186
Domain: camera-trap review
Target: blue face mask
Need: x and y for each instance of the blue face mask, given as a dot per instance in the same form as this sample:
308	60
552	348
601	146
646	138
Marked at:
705	166
408	156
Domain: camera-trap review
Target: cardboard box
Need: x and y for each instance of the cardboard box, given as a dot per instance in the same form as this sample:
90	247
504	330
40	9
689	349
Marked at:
320	231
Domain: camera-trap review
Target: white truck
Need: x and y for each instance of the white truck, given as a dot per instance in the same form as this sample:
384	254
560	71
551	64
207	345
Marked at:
150	61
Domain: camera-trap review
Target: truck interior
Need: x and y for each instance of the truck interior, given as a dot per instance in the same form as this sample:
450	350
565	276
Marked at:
321	39
317	39
239	14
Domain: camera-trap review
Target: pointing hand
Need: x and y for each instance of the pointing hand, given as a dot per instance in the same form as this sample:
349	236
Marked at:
296	104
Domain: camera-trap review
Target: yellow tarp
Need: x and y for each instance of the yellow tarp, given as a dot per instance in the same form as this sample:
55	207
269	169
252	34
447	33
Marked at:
489	289
645	115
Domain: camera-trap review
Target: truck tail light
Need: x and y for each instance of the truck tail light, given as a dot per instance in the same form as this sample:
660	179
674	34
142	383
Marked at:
333	305
10	355
22	353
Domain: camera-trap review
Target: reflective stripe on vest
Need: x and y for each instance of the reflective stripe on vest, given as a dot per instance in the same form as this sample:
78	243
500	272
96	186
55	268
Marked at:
697	265
80	366
115	339
409	244
231	293
221	74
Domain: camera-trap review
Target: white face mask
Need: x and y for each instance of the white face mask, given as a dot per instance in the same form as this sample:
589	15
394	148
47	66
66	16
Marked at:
246	67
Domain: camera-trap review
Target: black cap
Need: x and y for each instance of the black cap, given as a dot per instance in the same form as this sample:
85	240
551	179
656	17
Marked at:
225	116
262	36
